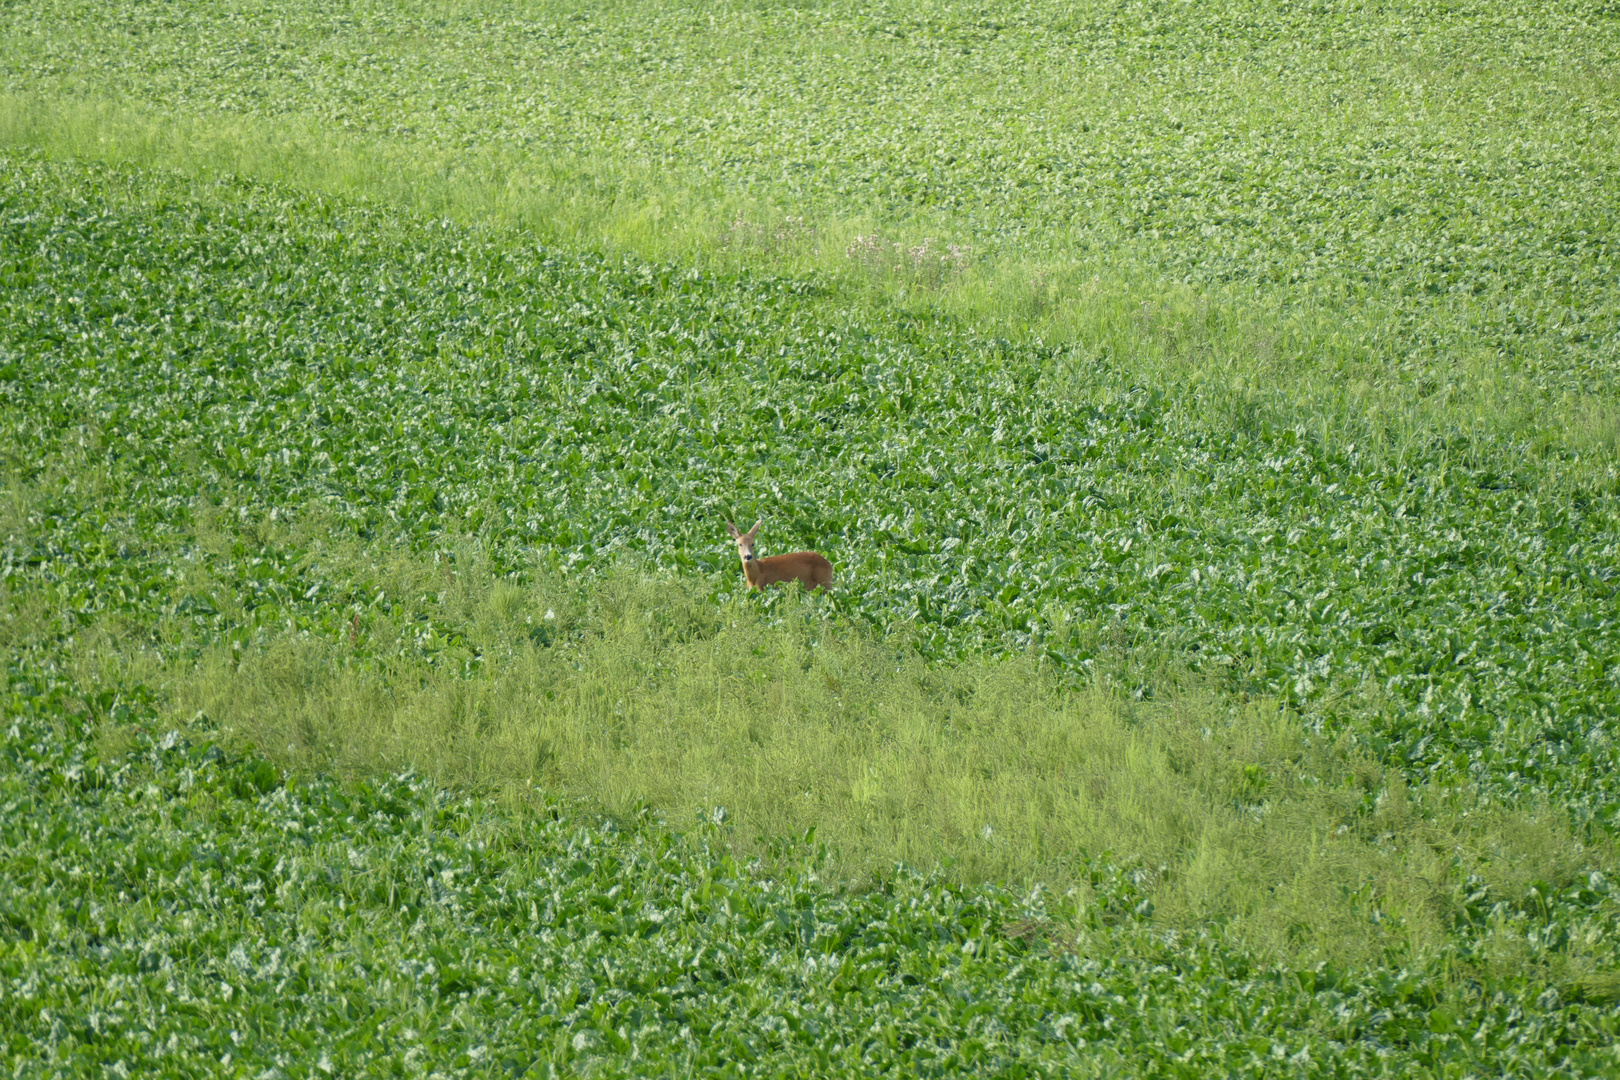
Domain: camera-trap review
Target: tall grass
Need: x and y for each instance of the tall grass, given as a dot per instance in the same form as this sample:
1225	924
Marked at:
641	696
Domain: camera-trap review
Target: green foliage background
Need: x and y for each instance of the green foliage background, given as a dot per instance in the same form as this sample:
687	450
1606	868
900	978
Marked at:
1222	361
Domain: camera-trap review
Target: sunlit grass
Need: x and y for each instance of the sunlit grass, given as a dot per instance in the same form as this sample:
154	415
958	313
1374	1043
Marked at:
637	696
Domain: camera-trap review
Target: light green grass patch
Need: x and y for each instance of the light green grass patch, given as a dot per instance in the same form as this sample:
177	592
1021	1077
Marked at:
639	696
385	926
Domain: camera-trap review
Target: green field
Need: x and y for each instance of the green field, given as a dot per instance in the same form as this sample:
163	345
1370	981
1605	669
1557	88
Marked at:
1209	411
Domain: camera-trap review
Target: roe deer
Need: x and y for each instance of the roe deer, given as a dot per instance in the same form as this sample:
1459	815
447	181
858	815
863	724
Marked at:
806	567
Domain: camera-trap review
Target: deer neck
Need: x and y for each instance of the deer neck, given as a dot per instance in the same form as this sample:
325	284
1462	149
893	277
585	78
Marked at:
753	571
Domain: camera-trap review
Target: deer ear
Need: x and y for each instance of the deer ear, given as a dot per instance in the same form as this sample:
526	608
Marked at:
732	529
755	529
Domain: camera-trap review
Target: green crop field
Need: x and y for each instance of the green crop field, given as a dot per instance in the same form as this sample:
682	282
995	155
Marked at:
1210	413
